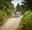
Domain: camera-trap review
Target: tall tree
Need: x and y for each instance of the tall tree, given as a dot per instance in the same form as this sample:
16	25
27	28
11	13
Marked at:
27	3
18	8
5	4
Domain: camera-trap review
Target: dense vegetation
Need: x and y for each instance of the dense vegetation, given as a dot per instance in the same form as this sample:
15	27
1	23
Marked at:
26	10
6	10
27	3
26	21
27	6
3	17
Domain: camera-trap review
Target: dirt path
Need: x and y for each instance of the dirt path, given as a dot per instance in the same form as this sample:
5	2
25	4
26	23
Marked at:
11	24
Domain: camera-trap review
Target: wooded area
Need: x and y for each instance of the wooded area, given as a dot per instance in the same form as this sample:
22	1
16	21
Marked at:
7	10
26	10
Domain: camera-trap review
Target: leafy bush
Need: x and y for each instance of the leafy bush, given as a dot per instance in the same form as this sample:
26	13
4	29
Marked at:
26	21
8	12
3	16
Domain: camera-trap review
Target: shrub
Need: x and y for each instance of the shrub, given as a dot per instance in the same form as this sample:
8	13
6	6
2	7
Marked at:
3	16
8	12
26	21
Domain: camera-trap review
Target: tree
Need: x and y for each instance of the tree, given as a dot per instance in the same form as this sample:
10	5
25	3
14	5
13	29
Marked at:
4	4
27	6
6	9
18	8
27	3
7	6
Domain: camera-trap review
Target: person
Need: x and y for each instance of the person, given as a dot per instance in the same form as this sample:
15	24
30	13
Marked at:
17	14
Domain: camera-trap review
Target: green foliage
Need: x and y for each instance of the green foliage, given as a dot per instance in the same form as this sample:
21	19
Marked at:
4	4
6	9
3	16
18	8
9	13
23	8
26	21
7	6
27	3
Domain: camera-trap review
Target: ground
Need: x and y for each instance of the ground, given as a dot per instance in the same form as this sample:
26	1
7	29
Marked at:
11	24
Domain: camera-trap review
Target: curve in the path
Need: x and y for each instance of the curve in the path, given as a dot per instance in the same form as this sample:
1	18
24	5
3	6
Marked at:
11	24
